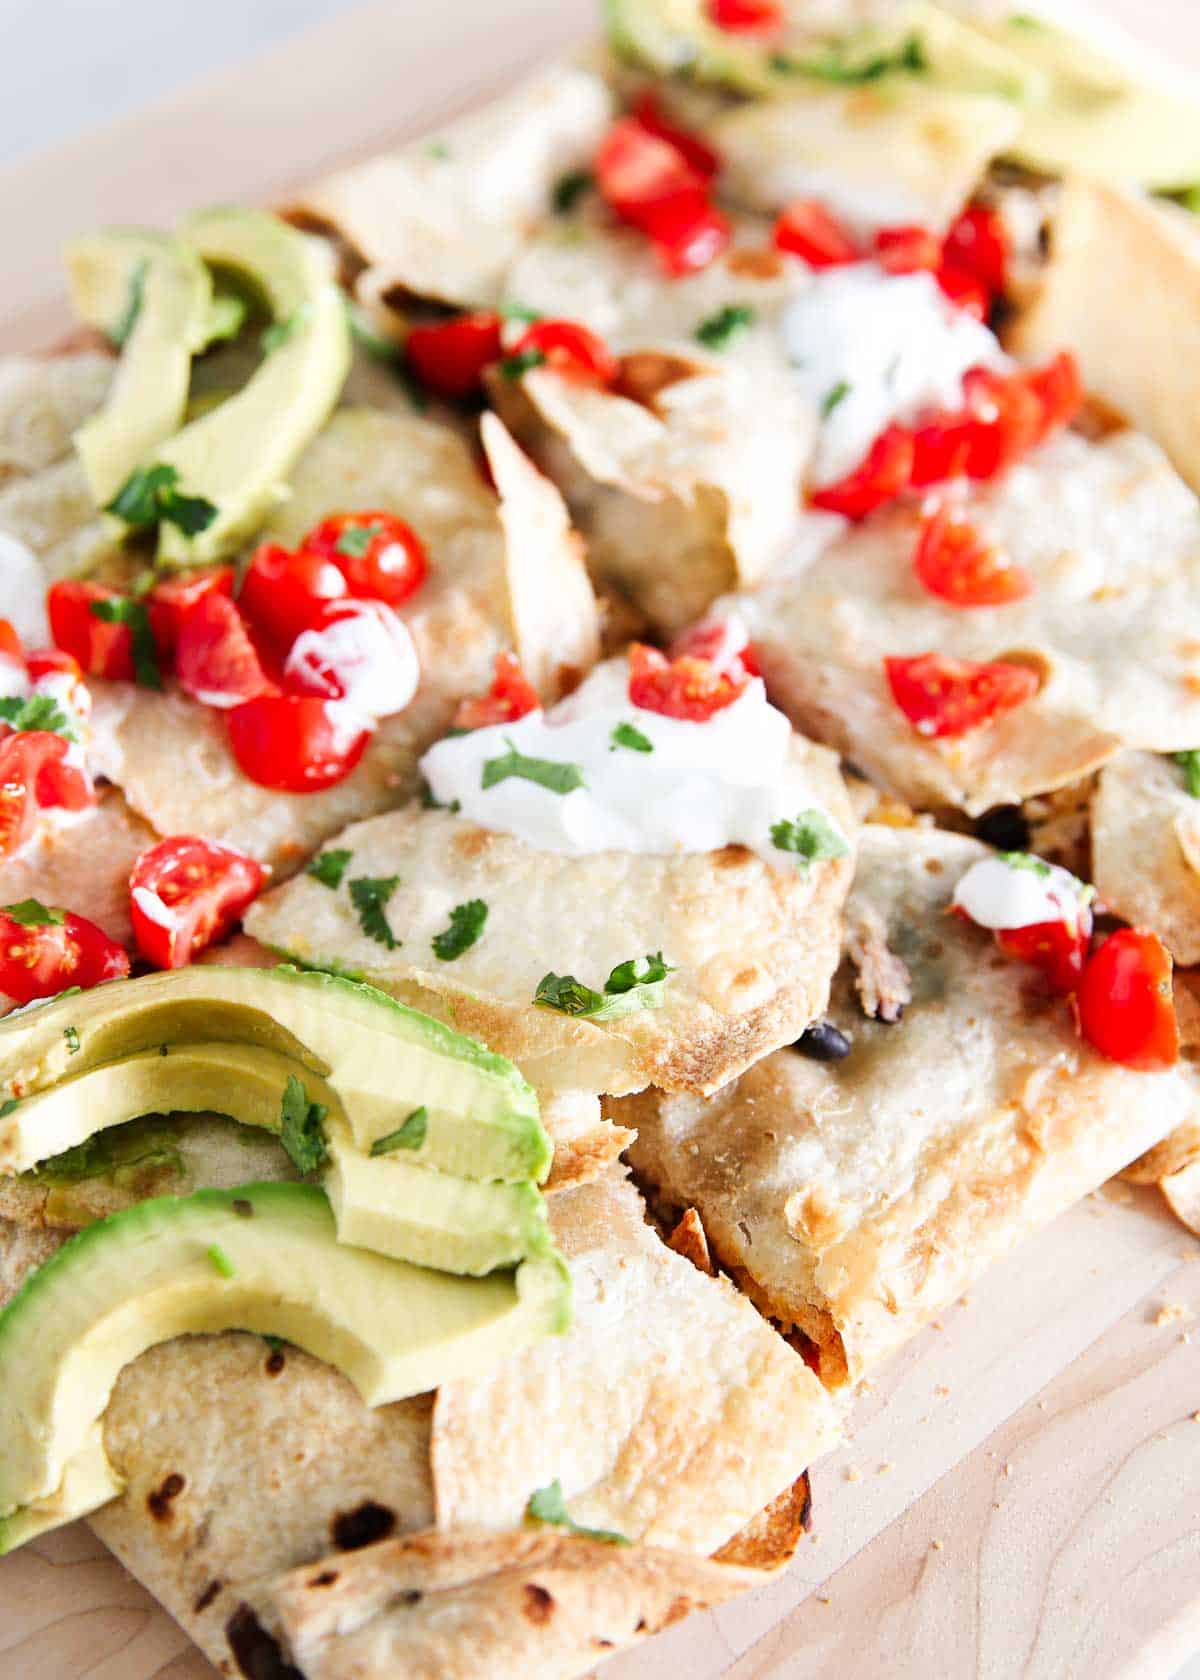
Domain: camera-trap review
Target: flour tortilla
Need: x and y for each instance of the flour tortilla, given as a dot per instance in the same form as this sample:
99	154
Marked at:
171	756
753	945
856	1199
1182	1193
82	866
671	1413
470	1605
43	402
1122	290
1146	849
1112	539
443	217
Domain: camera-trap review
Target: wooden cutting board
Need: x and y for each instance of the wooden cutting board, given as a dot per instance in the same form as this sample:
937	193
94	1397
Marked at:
1021	1491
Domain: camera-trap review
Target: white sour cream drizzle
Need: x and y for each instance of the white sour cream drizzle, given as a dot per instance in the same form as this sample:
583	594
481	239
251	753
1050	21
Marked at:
874	348
703	786
998	894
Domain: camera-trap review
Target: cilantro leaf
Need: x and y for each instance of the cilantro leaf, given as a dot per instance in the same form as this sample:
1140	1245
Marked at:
369	896
625	976
569	189
548	1505
518	312
466	924
411	1135
329	868
837	67
149	496
568	995
834	397
626	735
1025	860
512	367
556	776
301	1132
279	333
719	330
221	1261
119	609
1189	763
8	1105
811	836
127	320
31	912
625	991
39	711
355	540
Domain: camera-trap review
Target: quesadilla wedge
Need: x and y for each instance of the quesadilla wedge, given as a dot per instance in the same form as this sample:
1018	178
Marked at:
856	1198
1146	848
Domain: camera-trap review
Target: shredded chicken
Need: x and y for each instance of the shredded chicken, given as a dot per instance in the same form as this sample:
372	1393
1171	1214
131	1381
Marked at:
884	984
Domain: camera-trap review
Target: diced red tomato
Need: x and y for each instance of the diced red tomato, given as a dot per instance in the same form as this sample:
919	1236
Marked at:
941	447
10	643
186	892
686	688
725	643
885	474
943	697
1058	387
1056	949
1005	415
360	652
510	697
100	648
169	600
215	660
748	17
1007	420
965	291
36	776
380	556
954	562
703	159
1126	1002
37	962
978	244
569	349
449	357
810	231
48	662
651	184
296	743
284	593
908	250
688	244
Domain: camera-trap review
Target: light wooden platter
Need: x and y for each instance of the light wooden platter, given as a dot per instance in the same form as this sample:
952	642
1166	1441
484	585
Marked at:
1020	1495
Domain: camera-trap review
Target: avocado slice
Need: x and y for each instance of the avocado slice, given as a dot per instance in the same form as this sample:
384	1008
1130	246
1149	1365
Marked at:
238	457
378	1058
151	294
263	1258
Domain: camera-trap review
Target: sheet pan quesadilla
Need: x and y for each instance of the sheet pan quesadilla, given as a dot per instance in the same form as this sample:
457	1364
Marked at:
334	1308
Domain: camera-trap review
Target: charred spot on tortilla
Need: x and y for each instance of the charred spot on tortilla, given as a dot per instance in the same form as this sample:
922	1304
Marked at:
275	1362
326	1578
160	1501
206	1597
352	1530
539	1604
256	1653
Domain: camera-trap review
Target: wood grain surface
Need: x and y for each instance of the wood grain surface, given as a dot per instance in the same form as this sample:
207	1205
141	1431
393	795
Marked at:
1020	1495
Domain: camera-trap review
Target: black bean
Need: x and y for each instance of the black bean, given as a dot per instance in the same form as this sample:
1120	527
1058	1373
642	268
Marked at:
823	1042
1004	827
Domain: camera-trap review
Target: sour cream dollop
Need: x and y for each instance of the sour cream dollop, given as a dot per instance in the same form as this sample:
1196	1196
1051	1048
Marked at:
998	893
870	348
700	787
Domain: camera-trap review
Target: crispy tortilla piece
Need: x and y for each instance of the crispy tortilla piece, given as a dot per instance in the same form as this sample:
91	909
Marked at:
43	402
1110	249
1146	849
857	1199
753	946
1111	538
670	1412
443	217
171	756
1182	1192
471	1605
83	866
770	1539
586	1143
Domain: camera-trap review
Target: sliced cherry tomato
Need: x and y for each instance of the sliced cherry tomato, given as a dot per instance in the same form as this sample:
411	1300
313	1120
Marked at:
943	697
703	159
186	892
808	230
100	648
10	643
283	593
748	17
1126	1002
941	447
510	697
1059	951
296	743
37	962
966	291
1006	420
725	643
1058	387
686	244
380	557
954	562
215	660
35	775
360	652
978	244
48	662
686	688
169	600
885	474
649	182
449	357
569	349
908	250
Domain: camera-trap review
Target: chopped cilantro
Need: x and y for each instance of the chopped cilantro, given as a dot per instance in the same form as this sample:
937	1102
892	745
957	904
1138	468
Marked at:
411	1135
355	540
625	991
127	319
625	976
833	397
301	1132
71	1035
835	66
329	868
466	925
556	776
31	912
569	189
1025	860
119	609
39	711
625	735
719	330
512	367
149	496
1189	763
548	1505
221	1261
369	896
7	1106
429	799
811	836
282	332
